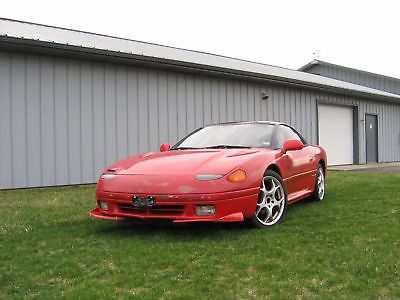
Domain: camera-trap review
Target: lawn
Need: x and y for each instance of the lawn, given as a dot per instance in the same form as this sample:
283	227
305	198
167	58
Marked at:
346	247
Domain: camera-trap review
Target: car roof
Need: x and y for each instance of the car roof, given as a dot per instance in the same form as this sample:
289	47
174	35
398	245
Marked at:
248	122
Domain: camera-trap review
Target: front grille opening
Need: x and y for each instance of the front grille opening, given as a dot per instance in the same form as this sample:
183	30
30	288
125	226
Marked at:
130	209
167	209
155	210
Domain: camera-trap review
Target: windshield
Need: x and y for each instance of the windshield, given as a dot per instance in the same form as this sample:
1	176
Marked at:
253	135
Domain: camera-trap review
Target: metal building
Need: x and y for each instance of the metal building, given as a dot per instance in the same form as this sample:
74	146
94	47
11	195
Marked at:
372	120
73	102
372	80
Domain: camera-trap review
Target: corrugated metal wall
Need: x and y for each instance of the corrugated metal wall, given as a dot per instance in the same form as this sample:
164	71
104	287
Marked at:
62	121
387	84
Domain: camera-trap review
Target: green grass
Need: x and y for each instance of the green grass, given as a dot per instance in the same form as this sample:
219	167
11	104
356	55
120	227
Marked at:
347	247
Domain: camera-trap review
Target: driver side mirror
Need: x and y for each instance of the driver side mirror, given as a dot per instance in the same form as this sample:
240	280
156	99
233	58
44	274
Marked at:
292	145
165	147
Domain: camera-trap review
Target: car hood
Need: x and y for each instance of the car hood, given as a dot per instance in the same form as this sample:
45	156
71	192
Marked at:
174	172
202	161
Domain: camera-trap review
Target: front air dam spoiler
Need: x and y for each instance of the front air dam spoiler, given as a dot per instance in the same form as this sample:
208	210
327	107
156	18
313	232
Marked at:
235	217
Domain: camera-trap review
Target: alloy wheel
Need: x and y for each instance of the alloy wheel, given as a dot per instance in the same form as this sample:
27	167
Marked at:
321	183
271	201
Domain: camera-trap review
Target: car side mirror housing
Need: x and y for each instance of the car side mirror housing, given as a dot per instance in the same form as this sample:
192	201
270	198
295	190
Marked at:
165	147
292	145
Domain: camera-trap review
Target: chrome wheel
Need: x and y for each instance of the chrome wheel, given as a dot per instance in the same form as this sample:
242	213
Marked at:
320	183
271	201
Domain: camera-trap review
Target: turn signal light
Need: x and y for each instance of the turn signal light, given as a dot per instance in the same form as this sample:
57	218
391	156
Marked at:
237	176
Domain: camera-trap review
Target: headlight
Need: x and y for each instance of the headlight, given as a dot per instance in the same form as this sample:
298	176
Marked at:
208	176
237	176
107	176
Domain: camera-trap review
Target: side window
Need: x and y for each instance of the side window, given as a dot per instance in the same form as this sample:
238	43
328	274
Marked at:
285	133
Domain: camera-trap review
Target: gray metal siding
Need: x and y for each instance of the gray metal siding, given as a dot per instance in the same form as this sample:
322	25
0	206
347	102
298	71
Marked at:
53	38
387	84
62	121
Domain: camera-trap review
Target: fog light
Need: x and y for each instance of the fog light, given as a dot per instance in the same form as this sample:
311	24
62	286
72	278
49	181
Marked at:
205	210
103	205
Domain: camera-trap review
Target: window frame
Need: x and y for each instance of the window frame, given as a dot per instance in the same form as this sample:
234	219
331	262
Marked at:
279	126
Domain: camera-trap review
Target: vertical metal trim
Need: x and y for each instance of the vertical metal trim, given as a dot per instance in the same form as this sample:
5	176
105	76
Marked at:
202	97
104	115
211	101
116	111
54	120
11	127
158	107
93	130
167	99
137	109
195	108
80	120
186	102
226	100
177	103
40	121
233	101
356	138
127	110
26	121
317	118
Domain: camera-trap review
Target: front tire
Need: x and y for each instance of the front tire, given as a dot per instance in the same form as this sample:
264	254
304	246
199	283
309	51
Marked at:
319	190
272	201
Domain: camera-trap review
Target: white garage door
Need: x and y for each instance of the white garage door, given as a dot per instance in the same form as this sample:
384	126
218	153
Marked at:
335	132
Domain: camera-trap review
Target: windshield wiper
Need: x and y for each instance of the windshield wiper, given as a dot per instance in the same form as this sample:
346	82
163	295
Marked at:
227	147
184	148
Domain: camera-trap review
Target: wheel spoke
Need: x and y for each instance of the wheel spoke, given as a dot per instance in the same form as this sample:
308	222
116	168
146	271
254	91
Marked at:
279	202
279	191
263	188
276	187
273	185
268	213
259	208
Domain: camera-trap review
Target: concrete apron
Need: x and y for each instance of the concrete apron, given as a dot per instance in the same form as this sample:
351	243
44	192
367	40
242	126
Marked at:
378	167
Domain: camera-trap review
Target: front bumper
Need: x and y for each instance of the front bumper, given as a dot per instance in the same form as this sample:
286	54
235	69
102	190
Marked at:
229	207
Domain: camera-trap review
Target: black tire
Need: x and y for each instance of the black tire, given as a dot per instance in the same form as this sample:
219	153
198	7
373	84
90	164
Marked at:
277	191
317	195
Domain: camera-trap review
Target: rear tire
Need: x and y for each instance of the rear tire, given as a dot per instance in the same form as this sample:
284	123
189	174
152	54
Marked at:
272	201
319	190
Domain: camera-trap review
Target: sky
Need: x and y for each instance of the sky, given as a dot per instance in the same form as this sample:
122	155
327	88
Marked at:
359	34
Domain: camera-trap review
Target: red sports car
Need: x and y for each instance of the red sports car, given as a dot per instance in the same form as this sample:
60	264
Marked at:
222	173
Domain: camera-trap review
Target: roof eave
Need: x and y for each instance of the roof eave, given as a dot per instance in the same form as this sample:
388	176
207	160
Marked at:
309	66
48	47
315	62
